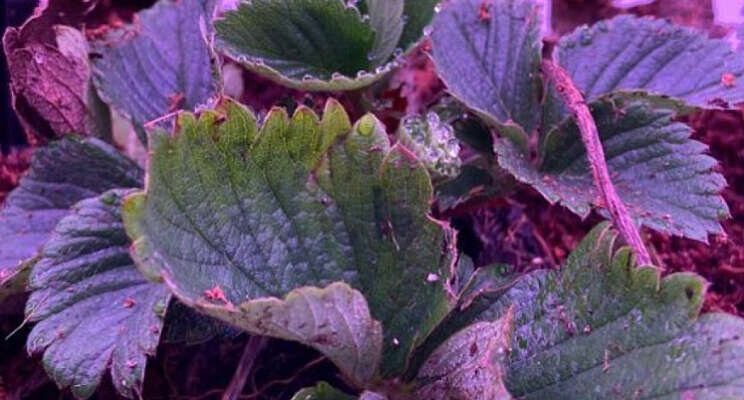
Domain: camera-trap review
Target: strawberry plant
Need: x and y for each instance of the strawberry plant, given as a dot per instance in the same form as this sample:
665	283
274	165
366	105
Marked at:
330	228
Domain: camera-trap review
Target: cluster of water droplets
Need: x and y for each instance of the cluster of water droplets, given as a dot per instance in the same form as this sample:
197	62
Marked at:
434	142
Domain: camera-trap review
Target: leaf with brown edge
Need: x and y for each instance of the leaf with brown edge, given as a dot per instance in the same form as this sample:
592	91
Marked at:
296	202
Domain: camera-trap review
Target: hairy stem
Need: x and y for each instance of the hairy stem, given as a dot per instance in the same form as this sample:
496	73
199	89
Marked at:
245	366
595	154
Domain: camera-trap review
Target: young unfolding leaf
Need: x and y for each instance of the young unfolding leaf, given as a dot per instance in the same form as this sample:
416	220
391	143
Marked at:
601	327
160	63
299	203
321	44
488	54
61	174
629	53
95	310
663	176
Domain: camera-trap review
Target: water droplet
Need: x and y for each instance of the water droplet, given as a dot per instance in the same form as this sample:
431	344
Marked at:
159	308
586	36
438	8
428	30
109	198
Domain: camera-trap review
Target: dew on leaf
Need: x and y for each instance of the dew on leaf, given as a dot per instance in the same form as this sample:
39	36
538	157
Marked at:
586	37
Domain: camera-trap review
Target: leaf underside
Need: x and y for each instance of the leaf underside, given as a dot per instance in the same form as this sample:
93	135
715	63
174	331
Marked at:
300	202
663	176
629	53
489	58
61	174
469	365
144	73
603	328
95	310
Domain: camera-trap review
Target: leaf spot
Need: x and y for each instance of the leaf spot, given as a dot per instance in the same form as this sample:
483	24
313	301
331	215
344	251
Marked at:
216	294
728	80
128	302
484	12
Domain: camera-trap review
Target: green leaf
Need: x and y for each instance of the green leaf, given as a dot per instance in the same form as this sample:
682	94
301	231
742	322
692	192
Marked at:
95	310
628	53
489	59
300	202
61	174
322	44
144	73
304	44
418	15
603	328
469	365
321	391
478	289
663	176
385	17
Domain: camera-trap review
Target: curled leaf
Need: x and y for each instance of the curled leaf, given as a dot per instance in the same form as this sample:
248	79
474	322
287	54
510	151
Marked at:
50	75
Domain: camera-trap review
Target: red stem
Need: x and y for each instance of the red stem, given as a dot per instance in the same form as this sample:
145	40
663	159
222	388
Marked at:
595	154
245	366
